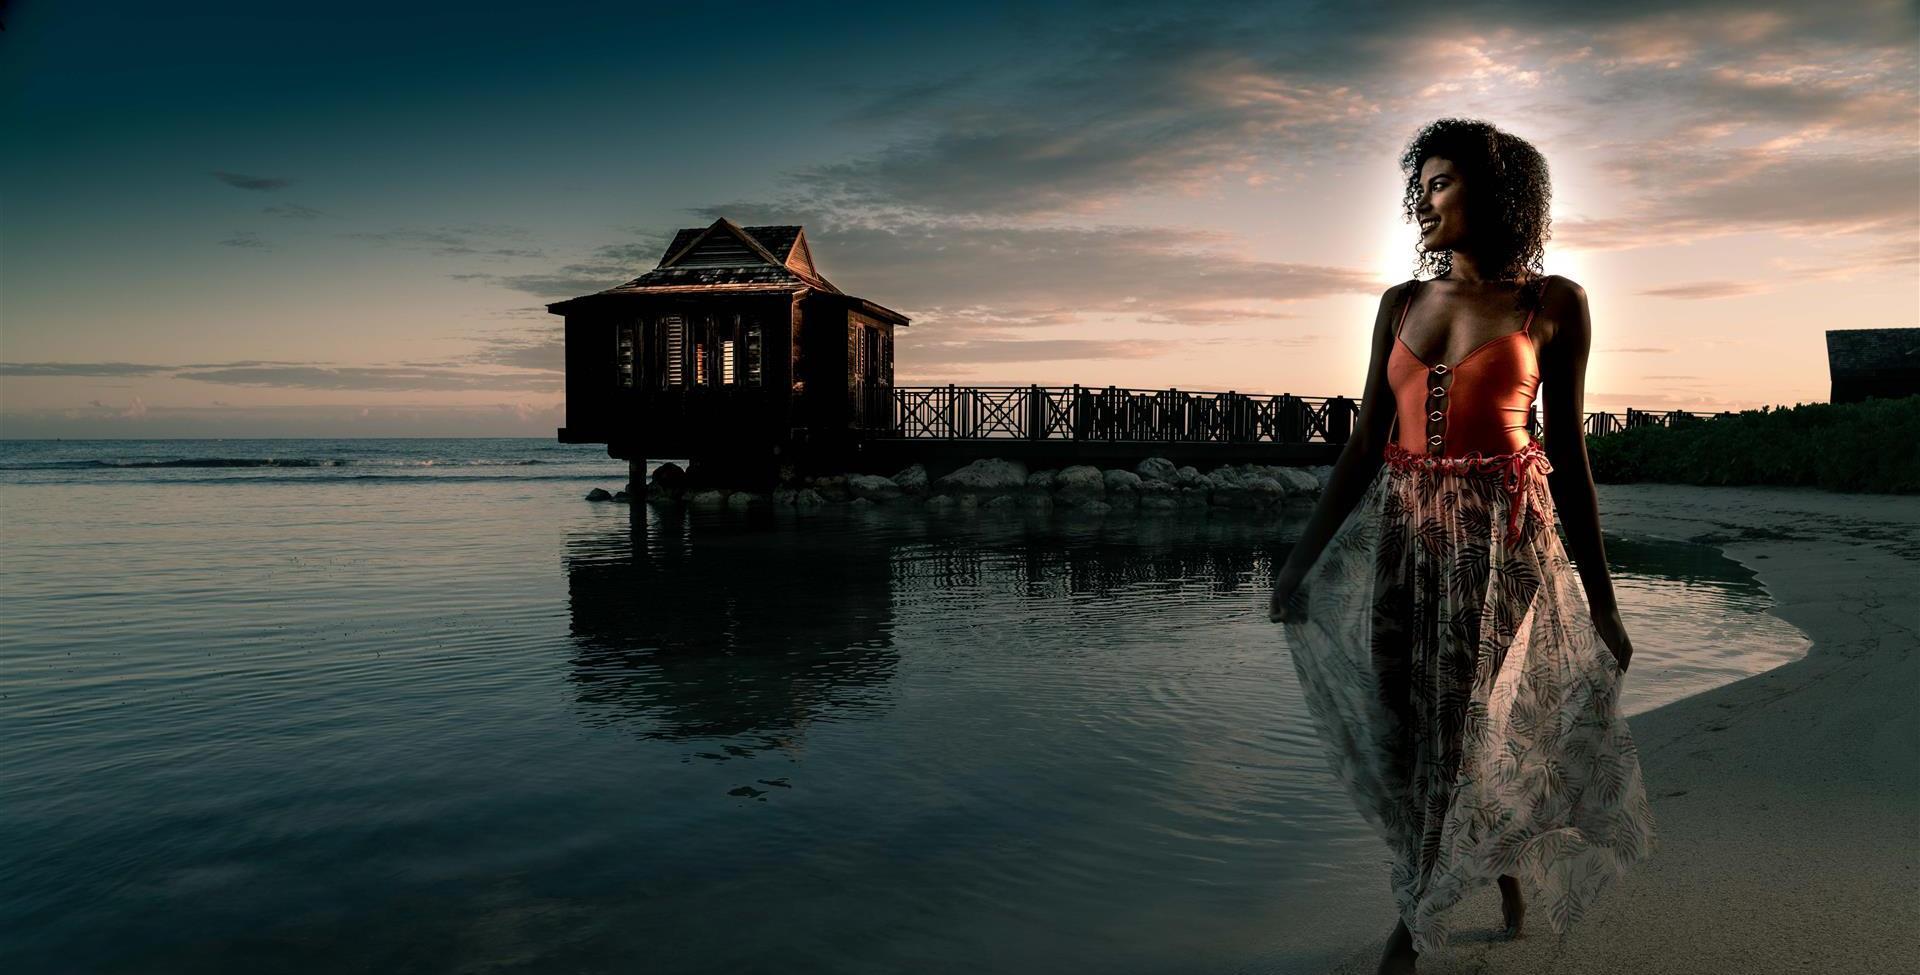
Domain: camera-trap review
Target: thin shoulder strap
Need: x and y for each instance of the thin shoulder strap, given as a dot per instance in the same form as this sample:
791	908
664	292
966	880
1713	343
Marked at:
1404	306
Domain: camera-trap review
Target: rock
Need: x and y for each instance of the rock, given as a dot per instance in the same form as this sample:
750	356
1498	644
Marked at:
785	496
988	475
742	500
1120	482
833	488
1079	485
861	503
1038	502
1040	483
708	497
912	481
808	498
620	497
1158	489
1159	502
872	487
1299	483
599	494
669	477
942	502
1001	502
1264	492
1226	478
1190	477
1156	469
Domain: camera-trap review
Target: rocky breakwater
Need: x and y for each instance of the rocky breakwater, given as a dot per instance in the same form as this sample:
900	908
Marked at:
1155	484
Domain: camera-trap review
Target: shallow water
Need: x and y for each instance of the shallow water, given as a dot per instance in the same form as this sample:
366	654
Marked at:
402	716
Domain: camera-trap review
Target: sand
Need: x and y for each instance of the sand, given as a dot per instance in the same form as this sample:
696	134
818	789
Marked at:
1788	803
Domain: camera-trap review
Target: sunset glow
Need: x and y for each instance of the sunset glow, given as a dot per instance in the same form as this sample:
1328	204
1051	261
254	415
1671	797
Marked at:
302	224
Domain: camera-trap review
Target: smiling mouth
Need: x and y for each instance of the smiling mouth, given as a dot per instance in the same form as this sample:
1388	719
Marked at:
1426	226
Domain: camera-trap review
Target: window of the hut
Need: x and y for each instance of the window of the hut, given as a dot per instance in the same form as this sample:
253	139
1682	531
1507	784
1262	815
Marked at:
855	367
753	352
726	362
623	353
676	350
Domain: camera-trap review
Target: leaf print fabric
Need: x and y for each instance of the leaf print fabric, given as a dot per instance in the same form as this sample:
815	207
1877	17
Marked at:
1463	694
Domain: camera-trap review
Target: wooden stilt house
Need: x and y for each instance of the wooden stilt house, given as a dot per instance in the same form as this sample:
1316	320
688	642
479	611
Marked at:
735	349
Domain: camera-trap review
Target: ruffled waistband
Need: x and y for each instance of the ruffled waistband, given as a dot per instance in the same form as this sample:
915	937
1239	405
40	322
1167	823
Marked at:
1512	469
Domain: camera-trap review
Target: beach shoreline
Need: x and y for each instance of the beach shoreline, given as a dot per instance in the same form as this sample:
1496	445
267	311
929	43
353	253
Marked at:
1788	803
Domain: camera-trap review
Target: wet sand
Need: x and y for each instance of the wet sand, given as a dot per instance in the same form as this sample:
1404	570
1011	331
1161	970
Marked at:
1788	803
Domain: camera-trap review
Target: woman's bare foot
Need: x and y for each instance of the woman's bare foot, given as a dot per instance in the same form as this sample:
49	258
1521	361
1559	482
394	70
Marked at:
1512	909
1399	956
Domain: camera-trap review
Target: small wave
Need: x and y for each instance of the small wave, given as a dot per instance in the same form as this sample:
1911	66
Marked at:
185	462
586	479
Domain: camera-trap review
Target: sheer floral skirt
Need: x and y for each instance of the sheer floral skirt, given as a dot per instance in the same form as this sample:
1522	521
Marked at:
1464	696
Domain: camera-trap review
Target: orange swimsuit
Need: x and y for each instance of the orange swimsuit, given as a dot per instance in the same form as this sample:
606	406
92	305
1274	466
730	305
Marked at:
1477	409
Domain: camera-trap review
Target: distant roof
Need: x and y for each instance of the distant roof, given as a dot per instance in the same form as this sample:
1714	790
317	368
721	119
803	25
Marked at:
726	257
725	253
1855	349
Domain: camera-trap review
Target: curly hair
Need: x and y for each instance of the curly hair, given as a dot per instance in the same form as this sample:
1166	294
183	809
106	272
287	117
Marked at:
1508	192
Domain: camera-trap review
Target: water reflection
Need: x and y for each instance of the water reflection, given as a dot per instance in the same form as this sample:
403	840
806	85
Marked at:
742	635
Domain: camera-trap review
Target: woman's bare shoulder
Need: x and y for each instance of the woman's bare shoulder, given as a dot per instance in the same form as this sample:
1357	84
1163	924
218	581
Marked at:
1559	287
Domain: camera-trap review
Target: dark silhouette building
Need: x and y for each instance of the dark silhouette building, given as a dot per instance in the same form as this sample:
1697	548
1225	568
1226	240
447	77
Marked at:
735	352
1873	362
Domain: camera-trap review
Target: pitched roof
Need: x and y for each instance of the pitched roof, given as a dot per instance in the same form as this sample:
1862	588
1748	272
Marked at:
726	257
725	253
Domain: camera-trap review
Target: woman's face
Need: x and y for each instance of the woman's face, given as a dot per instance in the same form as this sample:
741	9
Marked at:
1442	207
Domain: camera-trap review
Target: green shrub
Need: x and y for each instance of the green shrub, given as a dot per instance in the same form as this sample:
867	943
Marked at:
1867	446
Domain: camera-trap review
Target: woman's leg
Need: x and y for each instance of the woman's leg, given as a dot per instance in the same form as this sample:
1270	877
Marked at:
1512	908
1399	957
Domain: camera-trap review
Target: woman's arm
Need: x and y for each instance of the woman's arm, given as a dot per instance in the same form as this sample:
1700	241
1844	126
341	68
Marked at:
1563	377
1359	460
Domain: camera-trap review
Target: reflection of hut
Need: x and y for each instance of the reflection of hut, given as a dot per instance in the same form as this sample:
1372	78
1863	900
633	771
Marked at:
1864	362
711	636
735	350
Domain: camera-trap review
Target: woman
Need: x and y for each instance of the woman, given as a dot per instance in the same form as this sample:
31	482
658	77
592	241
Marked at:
1465	685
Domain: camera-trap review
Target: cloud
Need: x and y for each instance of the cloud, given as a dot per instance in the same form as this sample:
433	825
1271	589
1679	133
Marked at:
531	359
1169	104
608	265
1697	290
941	353
1692	195
484	240
372	378
542	349
985	275
242	182
115	369
292	211
247	240
511	419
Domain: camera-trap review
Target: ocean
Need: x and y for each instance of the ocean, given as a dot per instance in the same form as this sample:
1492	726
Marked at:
414	705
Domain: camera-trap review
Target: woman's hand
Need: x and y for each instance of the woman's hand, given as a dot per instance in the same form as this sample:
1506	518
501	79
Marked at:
1614	632
1280	609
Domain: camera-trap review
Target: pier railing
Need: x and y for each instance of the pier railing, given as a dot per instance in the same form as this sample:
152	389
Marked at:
1115	413
1112	413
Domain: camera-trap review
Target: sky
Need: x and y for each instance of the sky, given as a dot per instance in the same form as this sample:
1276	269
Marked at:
258	220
